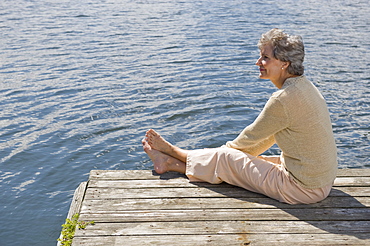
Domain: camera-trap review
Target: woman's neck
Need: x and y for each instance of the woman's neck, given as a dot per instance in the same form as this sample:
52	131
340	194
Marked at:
280	82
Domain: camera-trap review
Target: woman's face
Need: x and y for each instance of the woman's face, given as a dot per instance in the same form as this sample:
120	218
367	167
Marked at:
270	67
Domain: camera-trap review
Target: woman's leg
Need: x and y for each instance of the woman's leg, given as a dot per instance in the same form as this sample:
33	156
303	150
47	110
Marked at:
252	173
262	175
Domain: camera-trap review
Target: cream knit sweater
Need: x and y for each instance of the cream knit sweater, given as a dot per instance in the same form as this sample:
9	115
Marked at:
296	118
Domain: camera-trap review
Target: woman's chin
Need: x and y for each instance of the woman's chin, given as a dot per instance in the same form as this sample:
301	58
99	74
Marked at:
262	76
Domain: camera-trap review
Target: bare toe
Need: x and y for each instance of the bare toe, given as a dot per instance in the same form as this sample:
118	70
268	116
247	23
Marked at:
146	145
156	141
151	135
158	158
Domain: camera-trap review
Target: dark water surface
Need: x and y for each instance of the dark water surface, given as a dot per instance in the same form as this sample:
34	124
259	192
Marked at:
81	82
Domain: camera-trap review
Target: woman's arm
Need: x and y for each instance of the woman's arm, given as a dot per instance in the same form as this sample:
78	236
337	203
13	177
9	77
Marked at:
259	136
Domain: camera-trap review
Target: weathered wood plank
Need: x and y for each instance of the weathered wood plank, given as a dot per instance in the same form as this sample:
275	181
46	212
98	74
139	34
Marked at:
352	181
184	183
132	175
350	191
113	193
208	203
77	199
332	214
224	240
353	172
150	175
227	227
135	184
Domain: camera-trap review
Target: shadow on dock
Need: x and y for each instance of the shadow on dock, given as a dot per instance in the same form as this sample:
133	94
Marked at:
340	213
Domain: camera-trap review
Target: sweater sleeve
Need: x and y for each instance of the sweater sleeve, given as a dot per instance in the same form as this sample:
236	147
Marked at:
259	136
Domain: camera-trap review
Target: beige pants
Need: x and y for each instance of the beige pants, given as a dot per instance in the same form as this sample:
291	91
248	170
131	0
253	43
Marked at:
264	175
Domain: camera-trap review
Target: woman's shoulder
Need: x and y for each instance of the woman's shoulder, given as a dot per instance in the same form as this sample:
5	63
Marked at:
298	94
294	91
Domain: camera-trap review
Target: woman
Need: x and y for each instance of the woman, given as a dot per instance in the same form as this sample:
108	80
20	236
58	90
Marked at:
295	117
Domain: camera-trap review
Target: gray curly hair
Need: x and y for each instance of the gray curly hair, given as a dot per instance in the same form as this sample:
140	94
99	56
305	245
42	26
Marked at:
286	48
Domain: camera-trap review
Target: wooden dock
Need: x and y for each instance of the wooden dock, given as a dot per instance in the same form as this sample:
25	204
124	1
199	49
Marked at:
142	208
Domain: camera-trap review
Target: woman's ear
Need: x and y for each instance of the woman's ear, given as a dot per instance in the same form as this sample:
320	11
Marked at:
285	65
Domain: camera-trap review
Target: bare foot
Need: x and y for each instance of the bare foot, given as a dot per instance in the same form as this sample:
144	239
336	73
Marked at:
158	158
162	162
157	142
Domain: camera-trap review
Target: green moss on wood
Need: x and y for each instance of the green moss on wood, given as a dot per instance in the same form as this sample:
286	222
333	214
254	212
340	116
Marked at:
69	228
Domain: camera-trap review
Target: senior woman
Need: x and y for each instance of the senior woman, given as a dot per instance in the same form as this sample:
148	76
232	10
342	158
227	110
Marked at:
295	117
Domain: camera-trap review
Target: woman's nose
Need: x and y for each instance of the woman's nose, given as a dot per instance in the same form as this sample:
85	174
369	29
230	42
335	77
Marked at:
258	62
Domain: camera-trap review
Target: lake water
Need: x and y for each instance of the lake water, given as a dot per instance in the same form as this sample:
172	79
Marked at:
81	82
